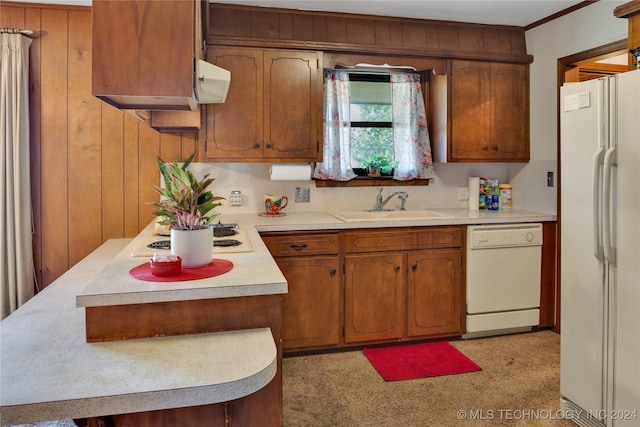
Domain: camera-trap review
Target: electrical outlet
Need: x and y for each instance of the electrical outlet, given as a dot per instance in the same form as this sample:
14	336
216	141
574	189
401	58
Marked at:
236	198
463	193
549	179
303	195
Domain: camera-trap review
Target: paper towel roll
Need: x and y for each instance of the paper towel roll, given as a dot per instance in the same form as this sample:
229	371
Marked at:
290	172
474	192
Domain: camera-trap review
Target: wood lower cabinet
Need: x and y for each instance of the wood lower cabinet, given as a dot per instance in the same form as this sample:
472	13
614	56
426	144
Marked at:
374	297
403	284
489	113
399	284
273	110
311	308
435	293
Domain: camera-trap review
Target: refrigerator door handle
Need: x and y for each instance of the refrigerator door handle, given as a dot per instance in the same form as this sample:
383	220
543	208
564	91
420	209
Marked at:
610	159
595	187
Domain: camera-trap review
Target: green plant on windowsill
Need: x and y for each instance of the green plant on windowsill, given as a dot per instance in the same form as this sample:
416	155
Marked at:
380	165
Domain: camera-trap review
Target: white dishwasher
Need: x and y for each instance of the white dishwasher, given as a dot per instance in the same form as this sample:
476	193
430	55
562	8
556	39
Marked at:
504	265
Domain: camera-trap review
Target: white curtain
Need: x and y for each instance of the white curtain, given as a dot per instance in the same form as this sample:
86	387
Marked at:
16	254
336	164
411	144
412	148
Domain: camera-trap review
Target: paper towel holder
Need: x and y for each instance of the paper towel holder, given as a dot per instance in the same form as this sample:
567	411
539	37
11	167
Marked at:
290	172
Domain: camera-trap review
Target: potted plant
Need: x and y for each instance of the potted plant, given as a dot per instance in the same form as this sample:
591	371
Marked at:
186	206
380	165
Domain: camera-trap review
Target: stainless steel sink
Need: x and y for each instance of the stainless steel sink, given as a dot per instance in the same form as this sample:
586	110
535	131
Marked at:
364	215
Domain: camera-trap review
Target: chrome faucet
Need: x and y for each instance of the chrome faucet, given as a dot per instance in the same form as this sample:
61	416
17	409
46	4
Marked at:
402	195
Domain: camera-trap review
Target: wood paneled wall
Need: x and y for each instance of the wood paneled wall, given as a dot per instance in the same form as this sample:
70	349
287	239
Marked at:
93	168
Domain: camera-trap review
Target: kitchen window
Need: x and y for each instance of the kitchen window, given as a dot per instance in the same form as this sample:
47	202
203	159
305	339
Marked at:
374	114
371	119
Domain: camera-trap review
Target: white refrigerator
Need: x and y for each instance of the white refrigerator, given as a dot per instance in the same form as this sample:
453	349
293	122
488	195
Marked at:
600	251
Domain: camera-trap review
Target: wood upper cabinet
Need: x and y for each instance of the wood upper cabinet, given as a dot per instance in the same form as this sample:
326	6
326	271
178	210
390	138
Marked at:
273	110
311	307
489	119
143	53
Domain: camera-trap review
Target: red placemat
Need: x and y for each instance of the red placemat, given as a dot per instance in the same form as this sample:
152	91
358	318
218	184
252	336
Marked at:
215	268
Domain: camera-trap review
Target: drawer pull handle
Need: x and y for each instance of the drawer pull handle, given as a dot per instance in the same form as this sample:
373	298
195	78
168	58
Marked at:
256	145
397	268
298	247
269	145
414	267
333	272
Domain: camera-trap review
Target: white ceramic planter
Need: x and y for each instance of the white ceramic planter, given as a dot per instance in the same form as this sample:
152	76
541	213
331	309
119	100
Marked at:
195	247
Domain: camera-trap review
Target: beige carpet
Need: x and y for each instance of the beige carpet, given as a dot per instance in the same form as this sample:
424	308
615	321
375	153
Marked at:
518	386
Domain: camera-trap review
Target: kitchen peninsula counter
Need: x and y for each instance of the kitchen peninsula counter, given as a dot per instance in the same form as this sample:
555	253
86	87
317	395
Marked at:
49	372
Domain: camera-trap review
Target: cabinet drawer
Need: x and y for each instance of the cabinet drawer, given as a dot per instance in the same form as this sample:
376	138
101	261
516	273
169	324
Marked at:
291	244
403	239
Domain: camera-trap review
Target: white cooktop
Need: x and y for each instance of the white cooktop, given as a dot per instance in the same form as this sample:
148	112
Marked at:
142	250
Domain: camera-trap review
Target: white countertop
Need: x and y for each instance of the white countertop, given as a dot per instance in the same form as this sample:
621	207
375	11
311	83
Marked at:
253	273
49	372
325	221
256	273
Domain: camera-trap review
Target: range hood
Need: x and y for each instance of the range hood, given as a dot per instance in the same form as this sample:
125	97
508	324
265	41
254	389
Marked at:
212	83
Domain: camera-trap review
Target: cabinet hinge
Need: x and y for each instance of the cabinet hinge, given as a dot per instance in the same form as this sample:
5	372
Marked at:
344	268
317	63
317	146
205	145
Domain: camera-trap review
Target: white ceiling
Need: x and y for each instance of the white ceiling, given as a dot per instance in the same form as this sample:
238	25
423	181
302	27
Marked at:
500	12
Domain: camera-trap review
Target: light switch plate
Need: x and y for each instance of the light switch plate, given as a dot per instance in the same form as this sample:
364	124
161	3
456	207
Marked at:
303	195
463	193
236	198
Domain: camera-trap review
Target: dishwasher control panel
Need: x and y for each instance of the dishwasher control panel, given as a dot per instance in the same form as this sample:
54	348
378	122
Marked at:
503	235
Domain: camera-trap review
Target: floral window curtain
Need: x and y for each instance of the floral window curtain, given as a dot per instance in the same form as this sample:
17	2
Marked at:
336	151
412	148
411	144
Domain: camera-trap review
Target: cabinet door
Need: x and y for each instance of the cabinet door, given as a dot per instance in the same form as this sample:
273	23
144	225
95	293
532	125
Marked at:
489	112
510	112
435	293
234	128
374	296
292	88
142	53
471	110
310	309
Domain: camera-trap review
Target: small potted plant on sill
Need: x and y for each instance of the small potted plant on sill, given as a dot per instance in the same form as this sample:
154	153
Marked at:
380	165
186	206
